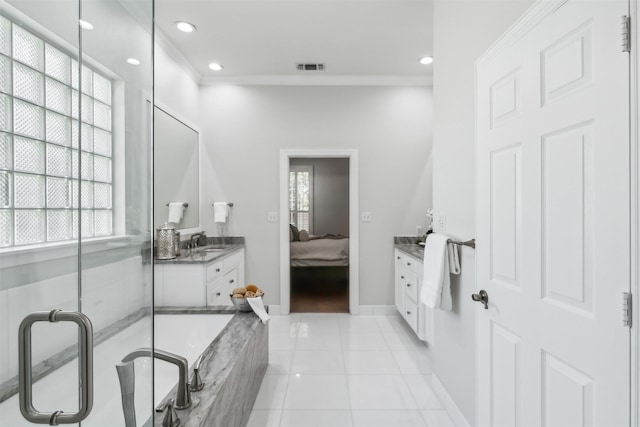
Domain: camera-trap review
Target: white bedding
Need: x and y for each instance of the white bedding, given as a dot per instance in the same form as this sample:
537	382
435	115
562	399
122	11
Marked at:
320	252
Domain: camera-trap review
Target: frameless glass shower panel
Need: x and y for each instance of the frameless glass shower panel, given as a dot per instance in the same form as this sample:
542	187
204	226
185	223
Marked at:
75	211
38	254
116	282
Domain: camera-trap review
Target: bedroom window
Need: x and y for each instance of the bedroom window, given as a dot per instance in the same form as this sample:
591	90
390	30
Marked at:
46	107
301	197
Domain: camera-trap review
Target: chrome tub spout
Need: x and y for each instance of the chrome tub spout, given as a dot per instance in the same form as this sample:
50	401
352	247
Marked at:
183	398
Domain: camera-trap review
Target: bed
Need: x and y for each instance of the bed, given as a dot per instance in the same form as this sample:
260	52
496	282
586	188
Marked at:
320	251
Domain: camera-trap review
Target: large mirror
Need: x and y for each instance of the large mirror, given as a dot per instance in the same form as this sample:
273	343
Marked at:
176	165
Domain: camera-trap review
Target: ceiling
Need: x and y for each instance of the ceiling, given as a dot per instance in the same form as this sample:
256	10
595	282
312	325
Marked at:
359	41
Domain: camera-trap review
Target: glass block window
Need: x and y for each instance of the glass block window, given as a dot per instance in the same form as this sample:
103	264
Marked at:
55	143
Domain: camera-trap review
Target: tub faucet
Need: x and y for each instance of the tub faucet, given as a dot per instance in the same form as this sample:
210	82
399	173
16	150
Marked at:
196	383
183	398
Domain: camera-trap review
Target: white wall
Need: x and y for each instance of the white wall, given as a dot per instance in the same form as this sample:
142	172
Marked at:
330	194
463	30
244	128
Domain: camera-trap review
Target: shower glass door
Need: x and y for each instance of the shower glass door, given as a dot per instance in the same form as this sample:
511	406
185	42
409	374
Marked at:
75	193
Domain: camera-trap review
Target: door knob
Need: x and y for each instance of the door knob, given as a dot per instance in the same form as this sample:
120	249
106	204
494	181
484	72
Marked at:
482	297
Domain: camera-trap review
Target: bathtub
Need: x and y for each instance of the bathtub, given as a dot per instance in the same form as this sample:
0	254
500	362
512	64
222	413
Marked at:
185	334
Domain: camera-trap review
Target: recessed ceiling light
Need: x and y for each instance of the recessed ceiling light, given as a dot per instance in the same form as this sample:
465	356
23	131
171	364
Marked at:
133	61
85	25
426	60
215	66
185	27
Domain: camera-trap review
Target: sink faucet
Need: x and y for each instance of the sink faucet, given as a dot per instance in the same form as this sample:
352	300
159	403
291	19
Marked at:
183	398
194	241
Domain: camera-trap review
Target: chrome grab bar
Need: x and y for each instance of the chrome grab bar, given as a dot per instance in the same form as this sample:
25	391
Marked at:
85	357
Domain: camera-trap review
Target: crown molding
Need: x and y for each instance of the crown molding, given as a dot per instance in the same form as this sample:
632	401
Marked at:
163	41
317	80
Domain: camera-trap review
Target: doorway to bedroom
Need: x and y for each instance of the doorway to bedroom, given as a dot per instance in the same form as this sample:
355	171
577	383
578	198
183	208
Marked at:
319	272
319	235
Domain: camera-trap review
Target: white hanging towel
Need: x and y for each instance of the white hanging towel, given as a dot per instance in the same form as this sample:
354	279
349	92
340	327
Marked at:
176	210
258	308
220	212
436	283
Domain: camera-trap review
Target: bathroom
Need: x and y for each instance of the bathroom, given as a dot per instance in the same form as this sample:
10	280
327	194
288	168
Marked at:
80	238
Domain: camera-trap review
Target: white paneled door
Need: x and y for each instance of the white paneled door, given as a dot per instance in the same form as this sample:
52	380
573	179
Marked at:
553	220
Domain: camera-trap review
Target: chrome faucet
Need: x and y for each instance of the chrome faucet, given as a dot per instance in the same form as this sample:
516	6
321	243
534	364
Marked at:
183	397
194	241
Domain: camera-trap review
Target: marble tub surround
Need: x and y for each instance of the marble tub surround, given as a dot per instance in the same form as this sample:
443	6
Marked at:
232	370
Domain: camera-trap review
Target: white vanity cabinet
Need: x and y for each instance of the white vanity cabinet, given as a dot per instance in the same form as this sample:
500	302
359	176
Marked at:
408	280
199	284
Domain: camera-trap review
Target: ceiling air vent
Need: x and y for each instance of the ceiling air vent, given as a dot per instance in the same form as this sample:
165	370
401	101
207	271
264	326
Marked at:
310	67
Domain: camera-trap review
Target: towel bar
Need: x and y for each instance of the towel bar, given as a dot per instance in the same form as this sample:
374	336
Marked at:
186	205
471	243
228	204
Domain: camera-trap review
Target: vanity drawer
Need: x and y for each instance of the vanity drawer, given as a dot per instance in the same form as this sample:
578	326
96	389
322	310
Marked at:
233	261
217	295
411	285
214	271
406	262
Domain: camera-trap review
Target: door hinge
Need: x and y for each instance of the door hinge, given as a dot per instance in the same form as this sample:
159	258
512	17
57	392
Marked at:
626	309
626	33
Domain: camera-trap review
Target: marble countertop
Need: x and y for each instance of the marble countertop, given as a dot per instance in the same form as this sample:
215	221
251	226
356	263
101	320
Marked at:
408	245
202	254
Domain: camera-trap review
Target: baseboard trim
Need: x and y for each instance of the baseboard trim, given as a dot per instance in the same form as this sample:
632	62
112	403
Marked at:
274	310
381	310
447	401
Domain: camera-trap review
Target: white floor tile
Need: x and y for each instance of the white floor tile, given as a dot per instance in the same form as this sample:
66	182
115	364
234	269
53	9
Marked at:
281	341
413	361
316	418
318	340
391	323
422	390
387	418
279	362
370	362
308	391
272	392
317	362
363	341
437	418
361	324
403	341
264	418
379	392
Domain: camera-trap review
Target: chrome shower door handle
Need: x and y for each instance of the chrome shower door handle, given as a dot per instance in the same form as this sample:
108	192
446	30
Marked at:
85	357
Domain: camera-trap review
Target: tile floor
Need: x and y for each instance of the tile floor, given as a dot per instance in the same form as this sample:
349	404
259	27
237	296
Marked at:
335	370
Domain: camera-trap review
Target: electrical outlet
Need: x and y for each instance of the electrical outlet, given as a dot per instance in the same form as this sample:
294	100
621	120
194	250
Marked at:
272	216
366	216
441	221
418	230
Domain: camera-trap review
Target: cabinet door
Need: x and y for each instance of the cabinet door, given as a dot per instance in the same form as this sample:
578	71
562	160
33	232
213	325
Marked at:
217	294
411	313
399	283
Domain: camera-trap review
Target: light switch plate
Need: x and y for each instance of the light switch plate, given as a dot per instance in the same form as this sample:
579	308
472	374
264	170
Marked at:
272	216
366	216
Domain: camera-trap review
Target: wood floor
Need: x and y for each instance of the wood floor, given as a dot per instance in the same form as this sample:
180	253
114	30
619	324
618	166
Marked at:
320	289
